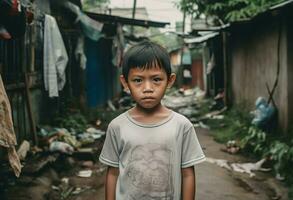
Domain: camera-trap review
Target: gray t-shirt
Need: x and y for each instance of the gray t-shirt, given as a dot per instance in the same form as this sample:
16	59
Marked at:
150	156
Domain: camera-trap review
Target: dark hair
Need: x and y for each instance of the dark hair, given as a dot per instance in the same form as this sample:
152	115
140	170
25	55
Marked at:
146	55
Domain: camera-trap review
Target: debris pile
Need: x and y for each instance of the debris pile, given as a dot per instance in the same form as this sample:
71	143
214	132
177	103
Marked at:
247	168
70	154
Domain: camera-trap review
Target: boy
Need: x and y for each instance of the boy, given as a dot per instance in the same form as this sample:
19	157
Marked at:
150	150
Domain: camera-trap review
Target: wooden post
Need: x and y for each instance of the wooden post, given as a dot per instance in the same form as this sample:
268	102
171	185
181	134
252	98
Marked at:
30	111
133	14
225	66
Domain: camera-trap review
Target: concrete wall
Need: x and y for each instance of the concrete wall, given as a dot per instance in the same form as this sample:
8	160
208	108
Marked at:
254	57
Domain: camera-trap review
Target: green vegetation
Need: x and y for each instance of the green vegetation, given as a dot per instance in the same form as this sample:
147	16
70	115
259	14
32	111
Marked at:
255	142
75	121
233	126
228	10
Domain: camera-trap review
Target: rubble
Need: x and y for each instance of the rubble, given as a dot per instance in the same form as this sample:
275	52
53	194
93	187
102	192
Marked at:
232	147
35	165
177	99
61	147
85	173
23	150
247	168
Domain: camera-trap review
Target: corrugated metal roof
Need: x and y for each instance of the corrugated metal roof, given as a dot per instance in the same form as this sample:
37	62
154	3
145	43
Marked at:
201	38
127	21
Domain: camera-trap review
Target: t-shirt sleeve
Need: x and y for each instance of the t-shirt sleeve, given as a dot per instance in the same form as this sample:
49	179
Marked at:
191	150
110	151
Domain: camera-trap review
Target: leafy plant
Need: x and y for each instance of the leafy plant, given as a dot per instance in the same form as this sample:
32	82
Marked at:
256	142
228	10
255	139
75	121
282	155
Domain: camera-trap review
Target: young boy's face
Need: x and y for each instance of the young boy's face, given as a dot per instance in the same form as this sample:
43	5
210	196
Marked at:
147	86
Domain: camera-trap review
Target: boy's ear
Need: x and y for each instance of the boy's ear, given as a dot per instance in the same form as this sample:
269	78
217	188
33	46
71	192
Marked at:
171	80
124	83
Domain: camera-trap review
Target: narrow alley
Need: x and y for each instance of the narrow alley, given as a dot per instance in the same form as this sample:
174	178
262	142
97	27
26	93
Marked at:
69	67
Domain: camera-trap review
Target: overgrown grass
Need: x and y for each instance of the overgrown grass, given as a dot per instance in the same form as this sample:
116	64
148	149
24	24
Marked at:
256	142
231	126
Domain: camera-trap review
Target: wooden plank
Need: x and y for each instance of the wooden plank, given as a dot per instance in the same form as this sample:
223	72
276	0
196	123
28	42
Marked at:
30	111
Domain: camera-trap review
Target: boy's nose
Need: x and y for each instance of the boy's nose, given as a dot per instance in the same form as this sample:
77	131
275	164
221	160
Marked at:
148	87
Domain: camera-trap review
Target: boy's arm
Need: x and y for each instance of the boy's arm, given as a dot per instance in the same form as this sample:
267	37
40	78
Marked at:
188	183
111	180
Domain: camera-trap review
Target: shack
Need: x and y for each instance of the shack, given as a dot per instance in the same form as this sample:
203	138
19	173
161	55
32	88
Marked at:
260	61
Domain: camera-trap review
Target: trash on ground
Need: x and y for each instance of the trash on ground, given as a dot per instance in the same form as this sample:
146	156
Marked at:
240	167
98	122
188	111
279	177
217	117
232	147
55	187
62	147
79	190
34	166
263	112
220	162
65	180
179	99
87	164
67	137
249	167
202	125
85	173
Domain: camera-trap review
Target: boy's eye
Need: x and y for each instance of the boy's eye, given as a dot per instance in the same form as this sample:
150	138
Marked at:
137	80
157	79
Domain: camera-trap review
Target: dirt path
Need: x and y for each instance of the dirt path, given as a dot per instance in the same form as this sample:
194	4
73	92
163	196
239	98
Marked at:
216	183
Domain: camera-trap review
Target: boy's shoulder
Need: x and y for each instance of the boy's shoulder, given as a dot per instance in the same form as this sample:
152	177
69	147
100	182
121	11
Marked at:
182	119
117	121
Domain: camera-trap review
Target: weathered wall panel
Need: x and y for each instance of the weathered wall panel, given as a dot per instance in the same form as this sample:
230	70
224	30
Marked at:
290	73
254	58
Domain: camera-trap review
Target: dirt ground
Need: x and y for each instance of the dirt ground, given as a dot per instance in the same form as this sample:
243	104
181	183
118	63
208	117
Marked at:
213	182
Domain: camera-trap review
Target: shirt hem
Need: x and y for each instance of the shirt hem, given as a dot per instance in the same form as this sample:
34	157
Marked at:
193	162
108	162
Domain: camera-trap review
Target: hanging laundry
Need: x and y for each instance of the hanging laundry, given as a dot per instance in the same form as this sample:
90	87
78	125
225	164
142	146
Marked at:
91	28
7	134
12	19
211	64
55	58
79	52
118	46
186	56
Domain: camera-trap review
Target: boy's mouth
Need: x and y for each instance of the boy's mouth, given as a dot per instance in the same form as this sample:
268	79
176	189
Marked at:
148	98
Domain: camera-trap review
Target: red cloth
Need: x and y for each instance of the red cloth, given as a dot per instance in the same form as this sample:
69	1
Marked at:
14	10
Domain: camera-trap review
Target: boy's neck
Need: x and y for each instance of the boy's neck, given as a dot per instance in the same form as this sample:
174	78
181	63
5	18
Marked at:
152	115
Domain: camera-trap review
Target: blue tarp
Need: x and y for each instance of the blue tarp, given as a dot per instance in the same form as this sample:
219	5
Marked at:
99	83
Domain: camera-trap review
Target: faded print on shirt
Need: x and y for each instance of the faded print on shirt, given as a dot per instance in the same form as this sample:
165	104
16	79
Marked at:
149	173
